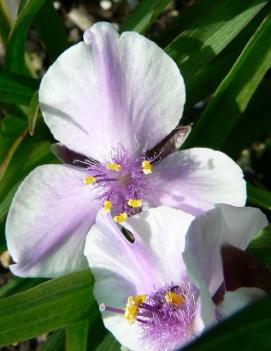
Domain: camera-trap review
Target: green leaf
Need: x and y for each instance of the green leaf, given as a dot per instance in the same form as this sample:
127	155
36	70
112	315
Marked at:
16	285
145	13
56	341
259	197
49	306
15	54
233	94
216	25
204	82
33	151
109	343
16	89
13	132
3	245
10	128
256	120
260	247
5	22
77	336
246	330
5	204
33	112
54	35
5	163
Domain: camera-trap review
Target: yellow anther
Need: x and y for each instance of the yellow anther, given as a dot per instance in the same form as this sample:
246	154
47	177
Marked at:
131	313
89	179
132	306
113	166
107	206
121	217
171	297
136	299
135	203
147	167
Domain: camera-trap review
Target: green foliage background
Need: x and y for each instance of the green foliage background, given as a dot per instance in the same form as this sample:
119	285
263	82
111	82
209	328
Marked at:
223	49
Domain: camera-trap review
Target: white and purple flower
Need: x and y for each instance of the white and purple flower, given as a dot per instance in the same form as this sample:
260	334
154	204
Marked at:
158	293
109	100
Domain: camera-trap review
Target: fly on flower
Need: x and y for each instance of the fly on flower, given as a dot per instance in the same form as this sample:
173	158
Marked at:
157	294
110	100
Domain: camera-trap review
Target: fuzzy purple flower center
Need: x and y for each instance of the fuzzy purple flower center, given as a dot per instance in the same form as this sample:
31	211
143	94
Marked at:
166	317
122	183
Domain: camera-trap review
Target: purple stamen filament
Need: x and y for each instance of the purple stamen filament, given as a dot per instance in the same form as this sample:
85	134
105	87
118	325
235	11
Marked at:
124	181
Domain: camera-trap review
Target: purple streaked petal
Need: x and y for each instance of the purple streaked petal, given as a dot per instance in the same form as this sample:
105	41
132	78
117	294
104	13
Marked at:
195	179
112	89
49	218
108	250
209	232
122	269
164	230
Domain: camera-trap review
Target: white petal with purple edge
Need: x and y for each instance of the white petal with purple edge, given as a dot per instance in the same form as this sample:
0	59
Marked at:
112	89
122	268
195	179
47	224
223	225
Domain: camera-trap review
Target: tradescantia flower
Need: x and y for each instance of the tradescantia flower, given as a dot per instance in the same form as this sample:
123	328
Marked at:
156	294
109	100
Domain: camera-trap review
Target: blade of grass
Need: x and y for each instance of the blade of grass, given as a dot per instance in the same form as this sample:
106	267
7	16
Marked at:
144	15
16	89
210	32
15	53
17	285
77	336
109	343
5	163
201	84
33	113
247	330
259	197
5	23
56	341
49	306
5	204
54	35
233	94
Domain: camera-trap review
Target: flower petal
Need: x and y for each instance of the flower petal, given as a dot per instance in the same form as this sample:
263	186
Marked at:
112	89
122	268
238	299
49	218
194	180
164	230
223	225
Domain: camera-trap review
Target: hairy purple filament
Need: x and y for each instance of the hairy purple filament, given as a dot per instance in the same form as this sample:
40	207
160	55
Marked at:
119	186
167	325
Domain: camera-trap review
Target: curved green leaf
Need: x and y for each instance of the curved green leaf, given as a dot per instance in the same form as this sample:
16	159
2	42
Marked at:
5	22
16	89
215	26
259	197
145	13
15	54
49	306
246	330
53	35
235	91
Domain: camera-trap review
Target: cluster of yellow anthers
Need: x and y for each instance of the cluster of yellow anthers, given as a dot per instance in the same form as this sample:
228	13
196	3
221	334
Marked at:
135	203
134	302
